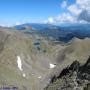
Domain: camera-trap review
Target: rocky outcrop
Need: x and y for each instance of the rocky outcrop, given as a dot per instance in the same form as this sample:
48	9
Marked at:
73	77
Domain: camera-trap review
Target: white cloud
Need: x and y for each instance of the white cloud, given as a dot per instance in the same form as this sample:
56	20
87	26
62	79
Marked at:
78	12
5	24
74	9
64	4
84	4
18	23
83	21
65	17
84	15
50	20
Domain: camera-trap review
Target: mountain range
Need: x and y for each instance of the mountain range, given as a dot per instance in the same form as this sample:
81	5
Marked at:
57	32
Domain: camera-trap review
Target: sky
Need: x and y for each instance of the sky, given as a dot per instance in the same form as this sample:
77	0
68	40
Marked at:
14	12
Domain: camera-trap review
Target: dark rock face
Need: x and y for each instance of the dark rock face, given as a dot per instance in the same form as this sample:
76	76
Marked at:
64	72
73	77
53	79
74	66
84	71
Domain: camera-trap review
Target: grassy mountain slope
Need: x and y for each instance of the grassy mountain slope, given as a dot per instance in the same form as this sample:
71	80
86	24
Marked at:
36	54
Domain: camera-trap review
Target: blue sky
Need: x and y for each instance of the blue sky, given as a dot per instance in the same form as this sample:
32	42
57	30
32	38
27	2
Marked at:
15	11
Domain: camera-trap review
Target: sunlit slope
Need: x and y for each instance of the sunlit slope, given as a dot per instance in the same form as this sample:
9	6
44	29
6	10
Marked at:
29	61
77	49
35	54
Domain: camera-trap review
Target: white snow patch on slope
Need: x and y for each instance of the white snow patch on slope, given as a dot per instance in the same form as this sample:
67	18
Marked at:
19	62
39	77
24	75
52	65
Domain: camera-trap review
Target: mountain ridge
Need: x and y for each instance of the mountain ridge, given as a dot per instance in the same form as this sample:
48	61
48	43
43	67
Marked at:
57	32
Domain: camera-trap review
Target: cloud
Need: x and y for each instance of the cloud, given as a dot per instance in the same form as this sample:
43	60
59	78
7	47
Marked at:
79	12
18	23
62	18
74	9
84	4
64	4
84	15
5	24
83	21
50	20
82	9
65	17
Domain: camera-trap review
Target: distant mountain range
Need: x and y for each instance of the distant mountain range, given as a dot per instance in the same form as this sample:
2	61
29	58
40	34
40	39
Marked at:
35	26
57	32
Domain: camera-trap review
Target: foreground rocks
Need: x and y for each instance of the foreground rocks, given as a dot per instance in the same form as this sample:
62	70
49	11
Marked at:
73	77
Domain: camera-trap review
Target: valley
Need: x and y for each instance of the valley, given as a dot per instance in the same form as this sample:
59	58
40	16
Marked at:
28	61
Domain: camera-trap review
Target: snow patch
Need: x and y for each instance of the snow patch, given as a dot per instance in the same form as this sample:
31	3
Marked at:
32	74
19	62
39	77
52	65
24	75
